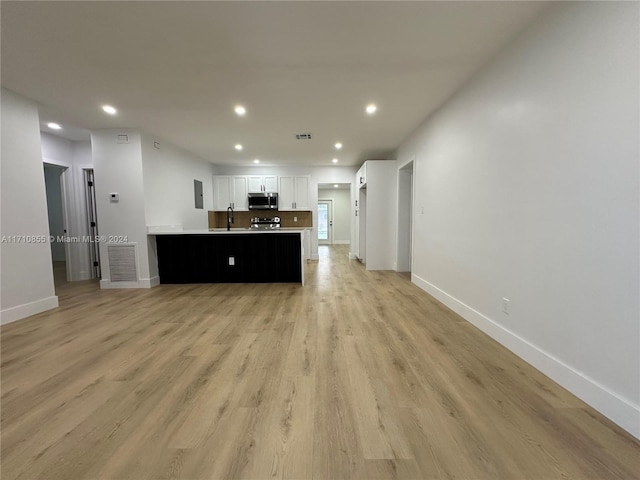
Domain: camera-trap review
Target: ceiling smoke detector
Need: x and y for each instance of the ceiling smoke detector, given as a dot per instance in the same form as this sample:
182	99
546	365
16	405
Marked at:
303	136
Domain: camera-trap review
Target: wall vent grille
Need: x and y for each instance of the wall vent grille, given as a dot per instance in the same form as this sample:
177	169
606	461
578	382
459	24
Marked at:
122	263
303	136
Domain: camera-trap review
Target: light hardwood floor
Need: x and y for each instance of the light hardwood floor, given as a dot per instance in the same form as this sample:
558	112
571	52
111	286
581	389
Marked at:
356	375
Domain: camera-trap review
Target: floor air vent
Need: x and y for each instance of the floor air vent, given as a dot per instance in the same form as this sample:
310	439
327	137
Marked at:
122	263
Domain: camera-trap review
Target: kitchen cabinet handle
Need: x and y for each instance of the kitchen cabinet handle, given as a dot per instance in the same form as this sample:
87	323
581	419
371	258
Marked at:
356	203
360	179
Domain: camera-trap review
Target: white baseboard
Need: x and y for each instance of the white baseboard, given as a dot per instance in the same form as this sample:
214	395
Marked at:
142	283
619	410
81	276
341	242
84	275
12	314
352	256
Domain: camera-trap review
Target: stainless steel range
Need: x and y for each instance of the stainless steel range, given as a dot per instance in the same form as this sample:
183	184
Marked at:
265	223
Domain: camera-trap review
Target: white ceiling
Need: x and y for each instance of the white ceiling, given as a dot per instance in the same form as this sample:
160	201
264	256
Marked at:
176	69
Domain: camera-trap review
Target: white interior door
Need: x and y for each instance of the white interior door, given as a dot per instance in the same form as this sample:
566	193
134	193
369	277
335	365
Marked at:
325	222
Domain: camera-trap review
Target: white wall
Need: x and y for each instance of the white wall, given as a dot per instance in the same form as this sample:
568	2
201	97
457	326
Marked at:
26	274
75	156
528	179
118	169
341	199
168	185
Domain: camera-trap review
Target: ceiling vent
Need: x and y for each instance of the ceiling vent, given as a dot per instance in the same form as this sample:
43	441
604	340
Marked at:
303	136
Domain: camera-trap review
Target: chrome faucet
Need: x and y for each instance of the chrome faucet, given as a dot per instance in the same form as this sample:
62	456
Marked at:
229	217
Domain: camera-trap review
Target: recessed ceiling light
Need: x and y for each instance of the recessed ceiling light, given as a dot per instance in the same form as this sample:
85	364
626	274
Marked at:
109	109
335	185
371	109
54	126
238	147
338	146
256	161
240	110
335	160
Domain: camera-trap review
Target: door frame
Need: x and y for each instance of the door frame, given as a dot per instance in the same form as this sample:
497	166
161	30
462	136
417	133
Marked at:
91	212
329	240
405	216
65	181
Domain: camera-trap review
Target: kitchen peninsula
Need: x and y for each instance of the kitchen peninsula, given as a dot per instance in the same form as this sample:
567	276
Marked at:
239	255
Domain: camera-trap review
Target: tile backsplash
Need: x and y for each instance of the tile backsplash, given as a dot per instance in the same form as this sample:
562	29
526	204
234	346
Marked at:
243	219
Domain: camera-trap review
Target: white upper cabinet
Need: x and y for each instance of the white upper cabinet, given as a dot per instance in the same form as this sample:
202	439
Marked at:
262	183
285	194
270	183
293	193
240	197
301	191
361	176
230	191
221	192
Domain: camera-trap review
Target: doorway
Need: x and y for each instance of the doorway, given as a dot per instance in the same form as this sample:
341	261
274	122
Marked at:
55	186
325	222
405	217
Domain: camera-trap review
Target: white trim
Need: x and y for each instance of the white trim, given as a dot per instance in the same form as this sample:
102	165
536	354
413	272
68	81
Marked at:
84	275
400	205
341	242
67	203
57	163
142	283
620	410
19	312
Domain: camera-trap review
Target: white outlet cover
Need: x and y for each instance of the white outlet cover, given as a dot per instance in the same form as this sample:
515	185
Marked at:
505	306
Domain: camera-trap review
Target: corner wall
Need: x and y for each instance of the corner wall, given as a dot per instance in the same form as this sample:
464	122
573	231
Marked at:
527	188
26	273
169	173
118	169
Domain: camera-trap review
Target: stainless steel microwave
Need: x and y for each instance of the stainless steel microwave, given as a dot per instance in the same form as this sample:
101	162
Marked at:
263	201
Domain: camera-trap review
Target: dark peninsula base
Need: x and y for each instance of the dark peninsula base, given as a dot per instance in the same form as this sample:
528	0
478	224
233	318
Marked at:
256	258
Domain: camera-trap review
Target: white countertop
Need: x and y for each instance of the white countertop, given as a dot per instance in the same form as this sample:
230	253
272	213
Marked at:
221	231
